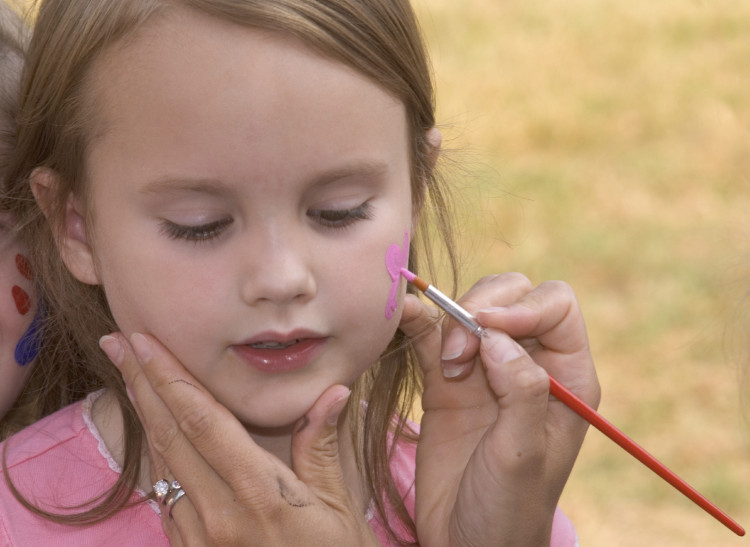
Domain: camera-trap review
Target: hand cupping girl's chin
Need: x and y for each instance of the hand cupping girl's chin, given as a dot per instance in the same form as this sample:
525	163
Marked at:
196	441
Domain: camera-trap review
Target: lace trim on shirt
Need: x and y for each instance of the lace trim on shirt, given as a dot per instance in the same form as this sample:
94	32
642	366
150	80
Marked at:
87	406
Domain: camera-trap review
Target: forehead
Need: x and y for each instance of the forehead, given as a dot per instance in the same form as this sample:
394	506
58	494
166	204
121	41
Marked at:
190	93
199	61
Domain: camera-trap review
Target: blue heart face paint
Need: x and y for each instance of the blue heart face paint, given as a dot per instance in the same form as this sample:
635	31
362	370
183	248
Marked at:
28	346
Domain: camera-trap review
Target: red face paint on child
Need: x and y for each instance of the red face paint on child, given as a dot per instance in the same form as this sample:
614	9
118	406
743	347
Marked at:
23	266
22	300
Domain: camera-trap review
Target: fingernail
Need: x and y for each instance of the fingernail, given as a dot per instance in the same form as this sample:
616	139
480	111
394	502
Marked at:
451	370
336	408
141	347
497	309
455	344
130	394
112	348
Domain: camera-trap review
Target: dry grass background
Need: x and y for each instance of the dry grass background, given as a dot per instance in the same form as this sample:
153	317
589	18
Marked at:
607	143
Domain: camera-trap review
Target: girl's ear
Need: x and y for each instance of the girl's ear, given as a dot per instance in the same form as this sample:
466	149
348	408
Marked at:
69	231
434	141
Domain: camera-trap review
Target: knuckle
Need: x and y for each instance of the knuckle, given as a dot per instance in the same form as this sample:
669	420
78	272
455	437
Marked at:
164	435
518	280
559	288
196	423
514	280
532	380
220	532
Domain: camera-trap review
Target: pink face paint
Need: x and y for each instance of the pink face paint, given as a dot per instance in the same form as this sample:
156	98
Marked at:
22	300
396	258
23	266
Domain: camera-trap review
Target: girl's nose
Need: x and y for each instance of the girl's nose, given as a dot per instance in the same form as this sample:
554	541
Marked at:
279	271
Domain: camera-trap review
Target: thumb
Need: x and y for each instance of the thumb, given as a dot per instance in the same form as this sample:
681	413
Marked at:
315	447
522	391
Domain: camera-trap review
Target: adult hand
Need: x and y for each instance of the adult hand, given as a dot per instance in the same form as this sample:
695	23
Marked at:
495	450
236	492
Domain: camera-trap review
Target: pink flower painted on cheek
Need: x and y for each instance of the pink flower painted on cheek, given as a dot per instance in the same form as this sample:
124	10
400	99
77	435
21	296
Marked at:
396	258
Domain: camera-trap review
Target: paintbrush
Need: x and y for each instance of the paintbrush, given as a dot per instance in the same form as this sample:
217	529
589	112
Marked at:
576	404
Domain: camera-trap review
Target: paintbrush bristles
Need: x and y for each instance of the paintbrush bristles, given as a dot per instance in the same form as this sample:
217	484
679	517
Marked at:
421	284
411	277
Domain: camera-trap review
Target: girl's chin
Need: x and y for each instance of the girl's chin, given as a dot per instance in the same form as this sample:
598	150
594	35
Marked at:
270	426
280	421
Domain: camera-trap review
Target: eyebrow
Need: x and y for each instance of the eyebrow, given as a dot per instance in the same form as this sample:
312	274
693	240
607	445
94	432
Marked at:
178	184
364	168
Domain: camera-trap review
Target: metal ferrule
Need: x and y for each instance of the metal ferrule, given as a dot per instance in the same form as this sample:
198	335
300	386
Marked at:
454	310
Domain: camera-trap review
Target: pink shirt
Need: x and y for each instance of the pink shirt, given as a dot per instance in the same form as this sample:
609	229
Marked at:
61	462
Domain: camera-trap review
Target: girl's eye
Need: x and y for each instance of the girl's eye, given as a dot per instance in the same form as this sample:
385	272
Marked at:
341	218
202	232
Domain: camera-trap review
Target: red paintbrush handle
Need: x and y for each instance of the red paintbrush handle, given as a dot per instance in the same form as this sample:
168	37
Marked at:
599	422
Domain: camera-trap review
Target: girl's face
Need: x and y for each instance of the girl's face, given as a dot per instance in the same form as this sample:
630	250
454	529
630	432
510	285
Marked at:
244	191
18	306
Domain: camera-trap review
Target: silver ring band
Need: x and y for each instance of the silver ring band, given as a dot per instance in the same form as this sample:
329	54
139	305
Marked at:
172	498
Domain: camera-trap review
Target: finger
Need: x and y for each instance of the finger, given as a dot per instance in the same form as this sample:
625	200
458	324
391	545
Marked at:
184	522
214	439
201	443
460	347
522	391
549	322
183	526
421	324
549	313
315	447
418	320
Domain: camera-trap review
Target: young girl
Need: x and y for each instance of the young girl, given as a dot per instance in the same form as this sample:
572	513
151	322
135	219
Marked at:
222	182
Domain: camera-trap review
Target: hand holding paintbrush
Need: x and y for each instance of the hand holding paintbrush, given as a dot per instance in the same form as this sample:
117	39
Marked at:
568	398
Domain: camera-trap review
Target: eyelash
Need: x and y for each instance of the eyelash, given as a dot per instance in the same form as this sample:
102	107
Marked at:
341	218
197	234
330	218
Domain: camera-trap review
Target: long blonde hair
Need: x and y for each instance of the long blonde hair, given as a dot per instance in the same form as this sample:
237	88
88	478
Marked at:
378	38
30	404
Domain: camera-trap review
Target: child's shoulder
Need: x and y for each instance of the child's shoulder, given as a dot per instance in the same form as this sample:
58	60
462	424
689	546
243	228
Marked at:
43	440
59	464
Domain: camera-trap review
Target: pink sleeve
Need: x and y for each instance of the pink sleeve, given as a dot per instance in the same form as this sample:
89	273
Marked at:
563	532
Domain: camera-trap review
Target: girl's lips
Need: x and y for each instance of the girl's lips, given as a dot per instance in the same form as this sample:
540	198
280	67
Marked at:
283	359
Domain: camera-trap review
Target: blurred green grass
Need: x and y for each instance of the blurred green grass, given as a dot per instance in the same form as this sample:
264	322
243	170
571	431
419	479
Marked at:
607	144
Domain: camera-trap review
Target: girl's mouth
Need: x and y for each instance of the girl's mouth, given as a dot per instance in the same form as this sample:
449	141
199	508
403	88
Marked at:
274	357
274	345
